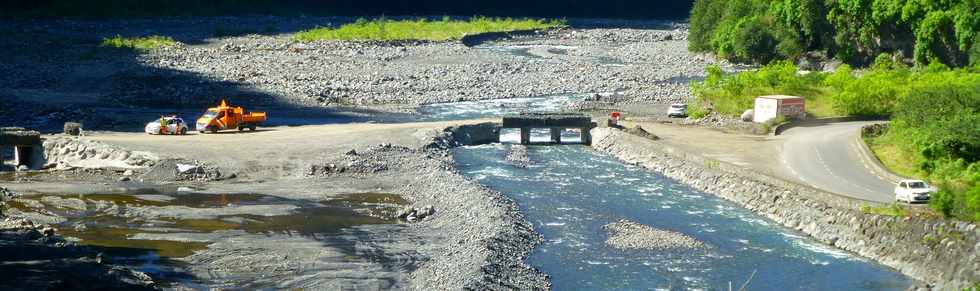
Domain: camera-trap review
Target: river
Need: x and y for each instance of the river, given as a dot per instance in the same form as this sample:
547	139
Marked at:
570	192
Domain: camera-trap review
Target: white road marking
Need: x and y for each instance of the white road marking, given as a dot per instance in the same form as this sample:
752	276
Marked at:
838	177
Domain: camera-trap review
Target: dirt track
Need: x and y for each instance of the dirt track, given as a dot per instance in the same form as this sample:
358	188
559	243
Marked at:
274	152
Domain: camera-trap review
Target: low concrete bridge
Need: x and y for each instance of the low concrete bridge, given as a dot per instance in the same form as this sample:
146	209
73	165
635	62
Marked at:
27	147
554	121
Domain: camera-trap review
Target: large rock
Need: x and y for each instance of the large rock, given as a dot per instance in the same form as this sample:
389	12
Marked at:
73	128
747	115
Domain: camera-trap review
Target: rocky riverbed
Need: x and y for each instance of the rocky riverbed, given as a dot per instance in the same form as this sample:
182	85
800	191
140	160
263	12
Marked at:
468	237
254	61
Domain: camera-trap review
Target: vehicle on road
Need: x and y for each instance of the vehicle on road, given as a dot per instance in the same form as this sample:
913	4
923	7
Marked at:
229	117
677	110
912	191
171	125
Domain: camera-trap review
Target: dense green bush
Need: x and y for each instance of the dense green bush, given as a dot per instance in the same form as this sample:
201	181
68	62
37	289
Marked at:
732	94
874	93
855	31
938	123
138	43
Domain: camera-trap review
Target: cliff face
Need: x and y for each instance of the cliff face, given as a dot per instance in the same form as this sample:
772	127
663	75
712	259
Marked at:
942	253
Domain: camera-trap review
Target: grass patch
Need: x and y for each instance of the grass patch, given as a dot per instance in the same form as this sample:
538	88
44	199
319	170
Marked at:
891	210
138	43
892	156
421	29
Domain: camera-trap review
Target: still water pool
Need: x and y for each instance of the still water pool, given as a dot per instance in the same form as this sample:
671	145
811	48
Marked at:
571	192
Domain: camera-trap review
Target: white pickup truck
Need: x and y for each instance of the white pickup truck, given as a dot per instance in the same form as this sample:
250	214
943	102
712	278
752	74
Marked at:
912	191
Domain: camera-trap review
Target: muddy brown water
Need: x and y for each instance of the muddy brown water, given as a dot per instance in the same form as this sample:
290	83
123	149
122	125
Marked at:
105	221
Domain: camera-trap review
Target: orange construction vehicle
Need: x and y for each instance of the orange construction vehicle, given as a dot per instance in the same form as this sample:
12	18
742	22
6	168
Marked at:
228	117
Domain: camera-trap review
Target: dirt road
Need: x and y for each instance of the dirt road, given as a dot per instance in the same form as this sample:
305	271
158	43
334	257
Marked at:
274	152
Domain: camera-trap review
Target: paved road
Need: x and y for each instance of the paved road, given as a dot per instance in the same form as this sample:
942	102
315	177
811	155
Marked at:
828	157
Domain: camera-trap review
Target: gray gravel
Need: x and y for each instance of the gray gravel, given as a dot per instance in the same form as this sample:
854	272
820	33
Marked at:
477	239
651	64
625	234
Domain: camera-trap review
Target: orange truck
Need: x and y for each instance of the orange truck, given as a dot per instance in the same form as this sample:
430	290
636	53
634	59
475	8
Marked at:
228	117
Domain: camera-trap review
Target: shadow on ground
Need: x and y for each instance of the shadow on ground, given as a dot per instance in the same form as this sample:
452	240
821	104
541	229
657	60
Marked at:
57	71
38	266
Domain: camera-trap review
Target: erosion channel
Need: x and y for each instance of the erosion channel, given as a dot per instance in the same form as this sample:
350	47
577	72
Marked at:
569	193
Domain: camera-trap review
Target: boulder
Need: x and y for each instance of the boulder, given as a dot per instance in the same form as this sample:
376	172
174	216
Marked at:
747	115
47	231
187	168
73	128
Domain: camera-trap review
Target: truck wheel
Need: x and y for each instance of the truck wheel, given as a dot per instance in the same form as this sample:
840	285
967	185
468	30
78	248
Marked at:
182	131
251	127
214	130
241	128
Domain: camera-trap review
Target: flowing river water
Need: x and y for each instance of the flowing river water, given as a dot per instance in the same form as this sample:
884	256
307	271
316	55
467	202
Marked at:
570	192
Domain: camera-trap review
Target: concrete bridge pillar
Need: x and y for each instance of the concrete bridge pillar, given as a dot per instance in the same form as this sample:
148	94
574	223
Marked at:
586	136
556	135
525	135
27	146
30	156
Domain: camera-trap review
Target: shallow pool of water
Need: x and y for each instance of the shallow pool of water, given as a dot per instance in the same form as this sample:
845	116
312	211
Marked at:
117	225
570	192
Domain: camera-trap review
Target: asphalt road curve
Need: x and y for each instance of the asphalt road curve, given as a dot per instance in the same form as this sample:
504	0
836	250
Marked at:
828	157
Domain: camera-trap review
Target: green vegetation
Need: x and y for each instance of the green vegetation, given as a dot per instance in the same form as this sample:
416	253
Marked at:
731	94
936	127
712	164
138	43
890	210
855	31
421	29
935	113
891	155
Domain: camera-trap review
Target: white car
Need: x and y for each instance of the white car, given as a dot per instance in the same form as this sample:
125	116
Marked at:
912	191
166	125
677	110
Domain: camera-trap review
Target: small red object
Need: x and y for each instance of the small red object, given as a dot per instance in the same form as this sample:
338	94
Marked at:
615	115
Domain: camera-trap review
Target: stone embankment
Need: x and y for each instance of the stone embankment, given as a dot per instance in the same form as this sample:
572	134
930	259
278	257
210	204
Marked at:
942	253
